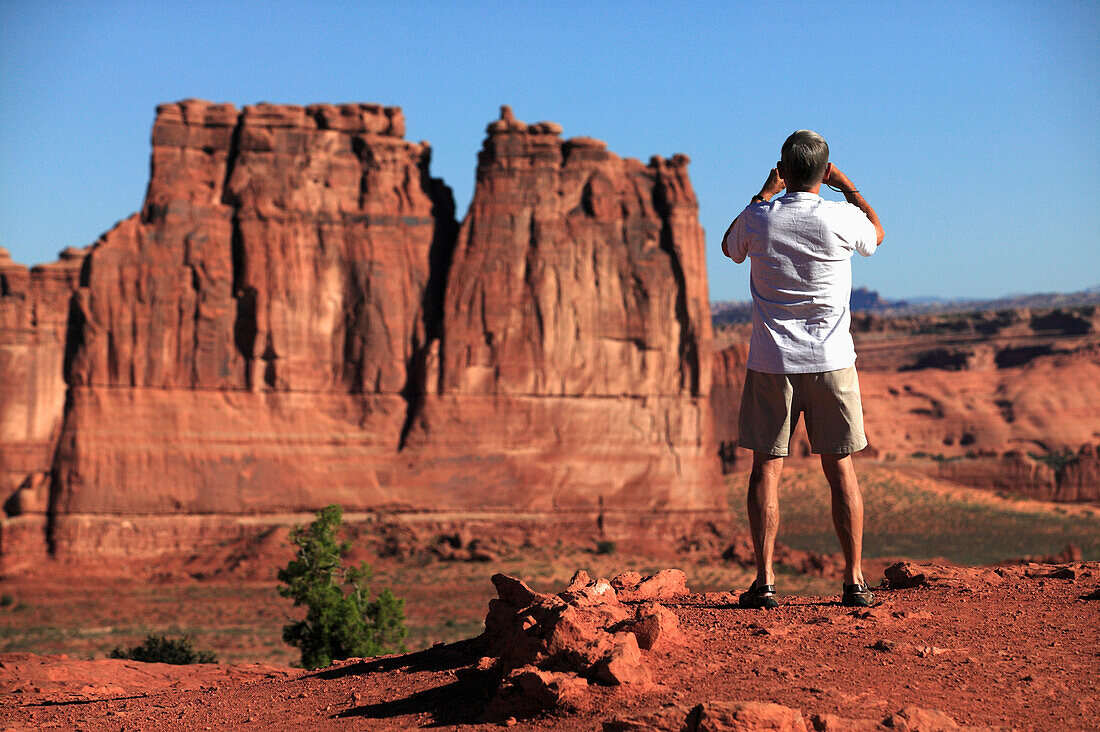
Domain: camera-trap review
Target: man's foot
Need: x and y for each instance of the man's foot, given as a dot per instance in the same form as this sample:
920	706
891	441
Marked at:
757	597
857	595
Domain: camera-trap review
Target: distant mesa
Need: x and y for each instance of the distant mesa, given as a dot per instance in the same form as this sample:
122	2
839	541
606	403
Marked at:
865	299
999	399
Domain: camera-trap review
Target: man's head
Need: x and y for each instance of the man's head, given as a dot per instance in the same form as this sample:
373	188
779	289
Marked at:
803	160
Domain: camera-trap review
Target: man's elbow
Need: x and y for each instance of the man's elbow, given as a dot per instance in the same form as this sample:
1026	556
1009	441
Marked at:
880	234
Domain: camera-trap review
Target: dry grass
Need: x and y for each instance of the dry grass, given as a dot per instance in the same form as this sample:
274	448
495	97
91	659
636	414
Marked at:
916	517
908	515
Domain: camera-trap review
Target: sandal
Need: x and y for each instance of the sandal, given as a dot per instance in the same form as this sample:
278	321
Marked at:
857	595
758	597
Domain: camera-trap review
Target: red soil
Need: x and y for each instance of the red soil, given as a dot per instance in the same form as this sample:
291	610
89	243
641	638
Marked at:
1013	647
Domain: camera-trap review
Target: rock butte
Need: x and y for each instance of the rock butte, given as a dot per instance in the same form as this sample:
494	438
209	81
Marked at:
295	318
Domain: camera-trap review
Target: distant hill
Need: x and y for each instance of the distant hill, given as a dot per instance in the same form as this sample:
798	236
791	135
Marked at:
729	312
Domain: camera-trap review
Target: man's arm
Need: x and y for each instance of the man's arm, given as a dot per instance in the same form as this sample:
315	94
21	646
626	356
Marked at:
835	178
772	186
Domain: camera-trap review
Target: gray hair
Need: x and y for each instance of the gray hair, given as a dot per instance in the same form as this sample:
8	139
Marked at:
805	155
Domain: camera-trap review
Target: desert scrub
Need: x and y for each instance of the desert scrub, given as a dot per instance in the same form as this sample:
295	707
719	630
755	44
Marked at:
341	620
162	649
1056	460
605	547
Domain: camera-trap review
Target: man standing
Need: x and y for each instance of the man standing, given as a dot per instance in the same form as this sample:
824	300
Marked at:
801	356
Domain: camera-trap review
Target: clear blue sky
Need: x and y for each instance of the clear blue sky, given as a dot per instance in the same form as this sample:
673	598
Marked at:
972	127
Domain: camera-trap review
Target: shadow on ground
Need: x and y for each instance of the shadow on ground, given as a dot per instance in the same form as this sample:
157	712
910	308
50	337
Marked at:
459	702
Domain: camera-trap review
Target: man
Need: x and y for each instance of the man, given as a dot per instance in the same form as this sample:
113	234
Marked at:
801	357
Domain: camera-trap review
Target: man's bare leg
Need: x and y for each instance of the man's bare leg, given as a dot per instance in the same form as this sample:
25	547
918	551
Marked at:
847	512
763	505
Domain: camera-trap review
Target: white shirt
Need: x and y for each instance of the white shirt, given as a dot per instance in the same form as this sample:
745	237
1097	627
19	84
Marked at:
800	246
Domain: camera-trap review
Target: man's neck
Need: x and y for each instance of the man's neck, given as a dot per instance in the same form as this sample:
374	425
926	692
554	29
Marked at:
815	189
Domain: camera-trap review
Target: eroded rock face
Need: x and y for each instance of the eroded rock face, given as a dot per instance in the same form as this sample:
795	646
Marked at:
577	273
1003	400
294	319
576	322
246	343
34	314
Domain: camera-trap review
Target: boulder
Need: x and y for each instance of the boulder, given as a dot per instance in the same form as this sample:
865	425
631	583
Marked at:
583	632
626	580
622	664
664	585
528	690
514	591
719	716
654	625
916	719
673	717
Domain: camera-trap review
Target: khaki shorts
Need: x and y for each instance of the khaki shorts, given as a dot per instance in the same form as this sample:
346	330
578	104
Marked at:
770	405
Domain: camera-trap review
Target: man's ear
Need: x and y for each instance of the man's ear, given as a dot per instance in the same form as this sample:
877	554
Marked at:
779	169
828	171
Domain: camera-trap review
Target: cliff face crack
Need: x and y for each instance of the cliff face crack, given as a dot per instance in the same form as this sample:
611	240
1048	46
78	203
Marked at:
440	255
688	350
531	277
244	295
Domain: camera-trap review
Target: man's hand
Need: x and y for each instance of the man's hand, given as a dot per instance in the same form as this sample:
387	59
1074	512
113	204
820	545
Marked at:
835	178
773	186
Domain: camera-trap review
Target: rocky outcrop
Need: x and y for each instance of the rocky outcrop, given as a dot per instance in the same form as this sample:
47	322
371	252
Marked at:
245	343
34	314
294	319
1064	477
544	650
576	335
714	716
1001	399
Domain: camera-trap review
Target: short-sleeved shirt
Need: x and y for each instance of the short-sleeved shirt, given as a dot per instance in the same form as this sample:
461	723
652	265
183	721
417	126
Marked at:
801	280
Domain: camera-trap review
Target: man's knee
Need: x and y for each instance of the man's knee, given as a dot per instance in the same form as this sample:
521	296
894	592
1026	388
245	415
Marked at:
765	464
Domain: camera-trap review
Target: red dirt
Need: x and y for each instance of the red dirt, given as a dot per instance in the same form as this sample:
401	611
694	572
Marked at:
1011	647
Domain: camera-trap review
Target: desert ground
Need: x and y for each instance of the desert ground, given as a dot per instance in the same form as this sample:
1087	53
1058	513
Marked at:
997	636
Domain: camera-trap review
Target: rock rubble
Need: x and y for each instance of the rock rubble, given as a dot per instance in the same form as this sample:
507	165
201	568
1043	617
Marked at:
547	649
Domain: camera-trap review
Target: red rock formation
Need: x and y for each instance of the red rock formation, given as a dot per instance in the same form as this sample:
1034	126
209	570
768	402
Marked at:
260	316
576	325
282	327
994	400
34	312
544	650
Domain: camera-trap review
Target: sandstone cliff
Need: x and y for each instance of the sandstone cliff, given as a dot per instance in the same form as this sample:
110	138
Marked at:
294	319
242	345
574	361
34	313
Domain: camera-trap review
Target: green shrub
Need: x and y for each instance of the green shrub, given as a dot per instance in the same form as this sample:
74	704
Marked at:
162	649
605	547
338	624
7	600
1056	460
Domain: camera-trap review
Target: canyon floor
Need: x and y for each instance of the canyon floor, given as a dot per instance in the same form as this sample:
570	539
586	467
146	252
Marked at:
1014	648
